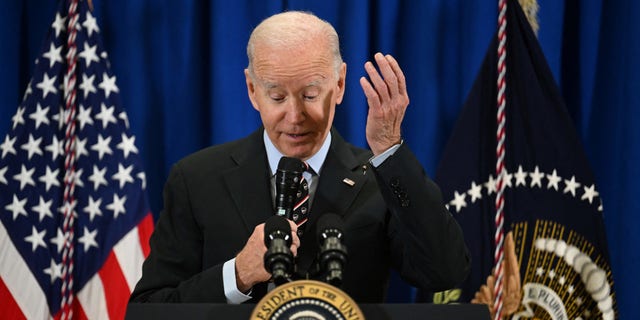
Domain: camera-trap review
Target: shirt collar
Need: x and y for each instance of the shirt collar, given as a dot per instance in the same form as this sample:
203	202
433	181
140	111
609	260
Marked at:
315	162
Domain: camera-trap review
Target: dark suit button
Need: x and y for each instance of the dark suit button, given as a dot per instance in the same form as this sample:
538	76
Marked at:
405	203
395	182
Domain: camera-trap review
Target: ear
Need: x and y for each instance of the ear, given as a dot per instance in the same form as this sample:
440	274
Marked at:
342	80
251	89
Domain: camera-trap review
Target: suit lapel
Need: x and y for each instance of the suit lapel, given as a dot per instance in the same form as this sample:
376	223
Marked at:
333	194
249	183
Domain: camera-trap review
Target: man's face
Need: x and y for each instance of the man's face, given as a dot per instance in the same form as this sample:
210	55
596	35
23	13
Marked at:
296	92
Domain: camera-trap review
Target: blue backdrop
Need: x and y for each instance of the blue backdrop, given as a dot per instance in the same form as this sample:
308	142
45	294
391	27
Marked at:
179	66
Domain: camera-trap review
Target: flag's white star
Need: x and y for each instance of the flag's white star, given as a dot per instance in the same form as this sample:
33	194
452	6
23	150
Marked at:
17	207
562	280
84	117
59	24
93	208
490	185
7	146
77	178
123	175
475	192
18	118
88	239
552	274
68	207
55	147
54	54
123	116
143	179
50	178
43	209
40	115
127	145
571	289
60	117
117	206
106	115
81	149
54	271
102	146
98	177
571	185
28	91
36	239
87	85
3	180
589	193
458	201
32	146
89	54
507	179
536	177
90	24
25	177
539	272
520	177
108	84
579	301
46	85
553	180
58	240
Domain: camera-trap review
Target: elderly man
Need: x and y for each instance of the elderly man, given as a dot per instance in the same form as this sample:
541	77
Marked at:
208	244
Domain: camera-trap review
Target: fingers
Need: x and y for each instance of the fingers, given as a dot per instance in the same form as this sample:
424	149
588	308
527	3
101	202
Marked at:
386	84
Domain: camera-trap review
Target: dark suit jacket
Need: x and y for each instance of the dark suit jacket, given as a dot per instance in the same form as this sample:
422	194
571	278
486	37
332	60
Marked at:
214	198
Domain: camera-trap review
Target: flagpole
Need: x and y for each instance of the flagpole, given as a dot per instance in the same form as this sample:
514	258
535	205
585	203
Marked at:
69	163
500	166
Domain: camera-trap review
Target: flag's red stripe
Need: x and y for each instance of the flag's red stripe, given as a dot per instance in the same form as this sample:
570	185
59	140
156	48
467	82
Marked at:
145	228
78	311
10	308
116	290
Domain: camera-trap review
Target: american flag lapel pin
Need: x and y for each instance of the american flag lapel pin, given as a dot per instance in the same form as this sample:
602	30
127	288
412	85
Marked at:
349	182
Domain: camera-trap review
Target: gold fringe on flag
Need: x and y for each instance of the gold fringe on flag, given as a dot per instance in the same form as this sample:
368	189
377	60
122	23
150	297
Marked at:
530	8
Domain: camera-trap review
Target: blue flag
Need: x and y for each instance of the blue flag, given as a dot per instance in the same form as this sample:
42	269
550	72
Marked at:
553	210
112	217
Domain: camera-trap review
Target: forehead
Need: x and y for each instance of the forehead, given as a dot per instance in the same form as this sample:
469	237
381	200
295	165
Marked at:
309	60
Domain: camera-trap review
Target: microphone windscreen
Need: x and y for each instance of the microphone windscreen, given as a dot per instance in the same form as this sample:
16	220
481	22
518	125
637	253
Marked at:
329	221
291	164
275	224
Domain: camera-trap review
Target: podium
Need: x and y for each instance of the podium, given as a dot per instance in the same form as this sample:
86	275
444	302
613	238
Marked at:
144	311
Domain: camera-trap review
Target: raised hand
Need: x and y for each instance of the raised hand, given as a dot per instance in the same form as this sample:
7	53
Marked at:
386	93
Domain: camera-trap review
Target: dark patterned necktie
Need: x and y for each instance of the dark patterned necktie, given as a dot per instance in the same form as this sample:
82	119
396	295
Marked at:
301	207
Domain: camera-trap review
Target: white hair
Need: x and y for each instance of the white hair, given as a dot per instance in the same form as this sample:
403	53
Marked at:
290	29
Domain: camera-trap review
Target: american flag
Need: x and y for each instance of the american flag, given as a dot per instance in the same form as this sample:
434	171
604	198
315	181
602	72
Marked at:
110	217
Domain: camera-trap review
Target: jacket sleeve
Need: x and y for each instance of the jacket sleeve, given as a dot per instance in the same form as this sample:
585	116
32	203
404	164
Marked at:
427	244
173	271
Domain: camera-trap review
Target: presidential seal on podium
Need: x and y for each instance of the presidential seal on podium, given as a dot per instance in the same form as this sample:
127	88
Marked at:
306	299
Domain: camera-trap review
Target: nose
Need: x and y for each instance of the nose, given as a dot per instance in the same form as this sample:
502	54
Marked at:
296	112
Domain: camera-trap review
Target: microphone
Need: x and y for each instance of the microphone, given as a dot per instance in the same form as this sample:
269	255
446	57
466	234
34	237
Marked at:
333	254
278	259
288	177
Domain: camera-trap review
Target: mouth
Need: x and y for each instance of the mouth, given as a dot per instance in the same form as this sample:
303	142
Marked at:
297	135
